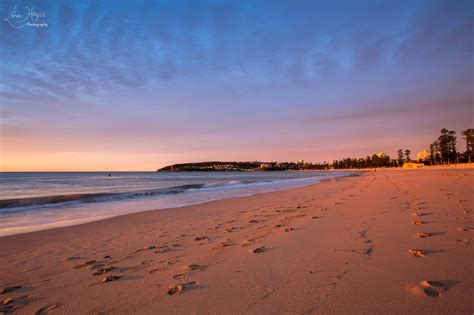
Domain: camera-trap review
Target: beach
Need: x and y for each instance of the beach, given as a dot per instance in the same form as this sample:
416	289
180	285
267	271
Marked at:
390	241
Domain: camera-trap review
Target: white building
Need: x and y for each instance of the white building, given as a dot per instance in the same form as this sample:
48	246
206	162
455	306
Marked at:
423	155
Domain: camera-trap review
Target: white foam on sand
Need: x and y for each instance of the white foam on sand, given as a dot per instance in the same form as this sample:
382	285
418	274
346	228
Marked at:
47	226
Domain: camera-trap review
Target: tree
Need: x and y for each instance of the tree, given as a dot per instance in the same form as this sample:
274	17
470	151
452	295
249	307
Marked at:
400	157
469	137
453	152
432	154
407	155
447	145
443	144
436	153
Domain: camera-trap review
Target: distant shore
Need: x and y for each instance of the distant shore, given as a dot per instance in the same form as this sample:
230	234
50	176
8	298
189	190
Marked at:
391	241
285	166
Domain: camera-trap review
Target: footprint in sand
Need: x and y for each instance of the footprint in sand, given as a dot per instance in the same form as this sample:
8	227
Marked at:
417	222
101	271
85	264
9	305
155	270
245	244
433	288
145	248
9	289
463	242
289	229
147	262
47	309
5	309
200	238
417	252
419	214
192	267
7	301
95	266
466	229
71	258
110	279
423	235
225	243
161	250
257	250
130	269
179	276
178	288
172	262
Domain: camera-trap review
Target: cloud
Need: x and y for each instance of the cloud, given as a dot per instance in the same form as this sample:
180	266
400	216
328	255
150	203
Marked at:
179	70
96	46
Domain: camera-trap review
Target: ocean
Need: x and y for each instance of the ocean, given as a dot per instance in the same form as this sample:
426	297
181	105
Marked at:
38	201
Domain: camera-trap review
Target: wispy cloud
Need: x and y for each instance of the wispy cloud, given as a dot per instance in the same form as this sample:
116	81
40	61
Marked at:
191	58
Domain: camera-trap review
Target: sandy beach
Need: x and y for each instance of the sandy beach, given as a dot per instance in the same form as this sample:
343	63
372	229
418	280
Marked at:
391	241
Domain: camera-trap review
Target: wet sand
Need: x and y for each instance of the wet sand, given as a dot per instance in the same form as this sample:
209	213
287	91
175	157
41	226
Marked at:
391	241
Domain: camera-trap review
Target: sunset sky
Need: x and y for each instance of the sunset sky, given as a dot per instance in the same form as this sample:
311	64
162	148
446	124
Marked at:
136	85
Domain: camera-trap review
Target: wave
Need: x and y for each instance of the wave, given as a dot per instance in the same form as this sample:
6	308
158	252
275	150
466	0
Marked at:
29	203
93	197
10	205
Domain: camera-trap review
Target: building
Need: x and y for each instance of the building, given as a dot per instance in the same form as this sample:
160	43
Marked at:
266	165
423	155
413	165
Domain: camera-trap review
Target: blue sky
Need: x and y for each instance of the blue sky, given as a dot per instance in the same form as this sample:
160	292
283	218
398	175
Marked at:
141	84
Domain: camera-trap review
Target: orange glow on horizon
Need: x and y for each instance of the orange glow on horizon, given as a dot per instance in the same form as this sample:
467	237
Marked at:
77	162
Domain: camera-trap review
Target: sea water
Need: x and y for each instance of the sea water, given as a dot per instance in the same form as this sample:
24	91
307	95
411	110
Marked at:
38	201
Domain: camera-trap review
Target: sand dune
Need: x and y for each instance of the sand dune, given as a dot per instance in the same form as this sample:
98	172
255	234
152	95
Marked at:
355	245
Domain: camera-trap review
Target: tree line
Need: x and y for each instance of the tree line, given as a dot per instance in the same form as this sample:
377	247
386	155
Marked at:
441	151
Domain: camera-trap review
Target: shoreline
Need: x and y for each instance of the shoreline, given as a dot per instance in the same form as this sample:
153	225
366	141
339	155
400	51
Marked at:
10	231
330	247
85	221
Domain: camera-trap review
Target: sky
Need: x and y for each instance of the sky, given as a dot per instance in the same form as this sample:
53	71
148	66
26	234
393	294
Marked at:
137	85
